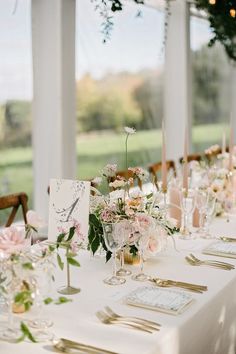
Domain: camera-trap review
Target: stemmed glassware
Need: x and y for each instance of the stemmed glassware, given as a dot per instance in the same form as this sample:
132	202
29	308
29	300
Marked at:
187	203
209	212
141	242
201	204
114	241
41	284
125	228
11	285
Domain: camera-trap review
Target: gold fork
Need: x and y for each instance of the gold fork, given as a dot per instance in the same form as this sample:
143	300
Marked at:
153	325
212	264
106	319
212	261
172	283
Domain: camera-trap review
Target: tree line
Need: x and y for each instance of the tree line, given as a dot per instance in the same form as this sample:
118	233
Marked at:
131	99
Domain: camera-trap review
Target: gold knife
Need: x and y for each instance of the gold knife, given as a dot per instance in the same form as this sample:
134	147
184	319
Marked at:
228	239
85	346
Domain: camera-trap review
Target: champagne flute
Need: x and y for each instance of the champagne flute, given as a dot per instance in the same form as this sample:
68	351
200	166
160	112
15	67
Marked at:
114	242
209	212
187	203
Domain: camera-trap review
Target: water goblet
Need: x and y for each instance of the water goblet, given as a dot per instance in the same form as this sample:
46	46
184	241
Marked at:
209	212
125	228
114	241
41	284
141	242
187	203
10	283
201	202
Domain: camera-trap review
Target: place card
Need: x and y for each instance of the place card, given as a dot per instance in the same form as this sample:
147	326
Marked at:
69	204
164	300
220	248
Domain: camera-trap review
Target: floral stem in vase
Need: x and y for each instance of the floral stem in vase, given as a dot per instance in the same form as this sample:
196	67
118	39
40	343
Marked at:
68	289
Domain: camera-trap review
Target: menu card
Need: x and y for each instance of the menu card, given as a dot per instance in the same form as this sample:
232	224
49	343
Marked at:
69	205
220	248
163	300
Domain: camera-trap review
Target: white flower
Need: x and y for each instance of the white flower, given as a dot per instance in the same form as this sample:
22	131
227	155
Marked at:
144	222
34	220
97	181
117	194
118	183
12	239
129	130
194	165
157	238
96	202
136	193
109	170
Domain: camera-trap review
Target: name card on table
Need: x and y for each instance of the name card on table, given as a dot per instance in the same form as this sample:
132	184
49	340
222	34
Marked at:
219	248
69	205
168	301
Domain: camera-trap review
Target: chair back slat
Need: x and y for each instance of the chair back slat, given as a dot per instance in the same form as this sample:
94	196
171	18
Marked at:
14	201
155	168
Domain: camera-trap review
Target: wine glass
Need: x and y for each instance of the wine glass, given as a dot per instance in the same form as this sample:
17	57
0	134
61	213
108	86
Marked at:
201	202
209	212
114	241
187	203
41	284
11	285
125	228
141	242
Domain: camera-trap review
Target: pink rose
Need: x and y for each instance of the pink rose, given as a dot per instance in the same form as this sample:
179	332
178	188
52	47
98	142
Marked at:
144	222
34	220
13	239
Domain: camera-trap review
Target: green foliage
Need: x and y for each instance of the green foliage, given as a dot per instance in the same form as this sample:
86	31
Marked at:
95	236
26	334
61	300
24	298
222	24
73	261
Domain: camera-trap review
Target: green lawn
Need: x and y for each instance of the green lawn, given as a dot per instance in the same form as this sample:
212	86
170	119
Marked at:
94	151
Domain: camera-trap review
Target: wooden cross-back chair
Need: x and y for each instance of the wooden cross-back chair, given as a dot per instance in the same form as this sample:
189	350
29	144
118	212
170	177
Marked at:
192	157
14	201
128	174
216	152
155	168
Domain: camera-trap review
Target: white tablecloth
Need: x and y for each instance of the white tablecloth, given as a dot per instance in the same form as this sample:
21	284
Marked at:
208	326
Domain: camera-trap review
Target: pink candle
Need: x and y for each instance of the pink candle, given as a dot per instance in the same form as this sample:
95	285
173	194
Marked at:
223	143
231	144
163	162
185	162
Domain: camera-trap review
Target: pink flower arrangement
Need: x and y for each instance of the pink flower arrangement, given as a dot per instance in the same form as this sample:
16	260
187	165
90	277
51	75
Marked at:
13	239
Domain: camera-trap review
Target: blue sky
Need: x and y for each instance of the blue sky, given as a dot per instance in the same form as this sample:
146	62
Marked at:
135	44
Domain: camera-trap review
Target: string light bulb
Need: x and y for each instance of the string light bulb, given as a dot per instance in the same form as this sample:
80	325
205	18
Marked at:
232	12
212	2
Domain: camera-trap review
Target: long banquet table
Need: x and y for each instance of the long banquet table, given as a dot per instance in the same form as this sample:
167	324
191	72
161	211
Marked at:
208	326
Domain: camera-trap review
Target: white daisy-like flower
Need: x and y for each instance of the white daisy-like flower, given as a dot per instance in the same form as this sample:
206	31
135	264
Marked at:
129	130
97	181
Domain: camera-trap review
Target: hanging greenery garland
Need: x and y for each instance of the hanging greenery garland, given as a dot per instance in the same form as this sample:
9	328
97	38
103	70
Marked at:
222	18
221	15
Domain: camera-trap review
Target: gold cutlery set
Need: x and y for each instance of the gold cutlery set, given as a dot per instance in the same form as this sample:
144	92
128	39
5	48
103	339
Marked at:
110	317
194	261
166	283
63	345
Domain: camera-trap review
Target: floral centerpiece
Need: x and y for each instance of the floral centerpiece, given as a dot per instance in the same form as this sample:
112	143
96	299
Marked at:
214	174
137	211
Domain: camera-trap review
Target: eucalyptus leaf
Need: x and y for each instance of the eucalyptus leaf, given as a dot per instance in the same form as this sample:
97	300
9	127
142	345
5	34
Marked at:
26	333
73	261
59	261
